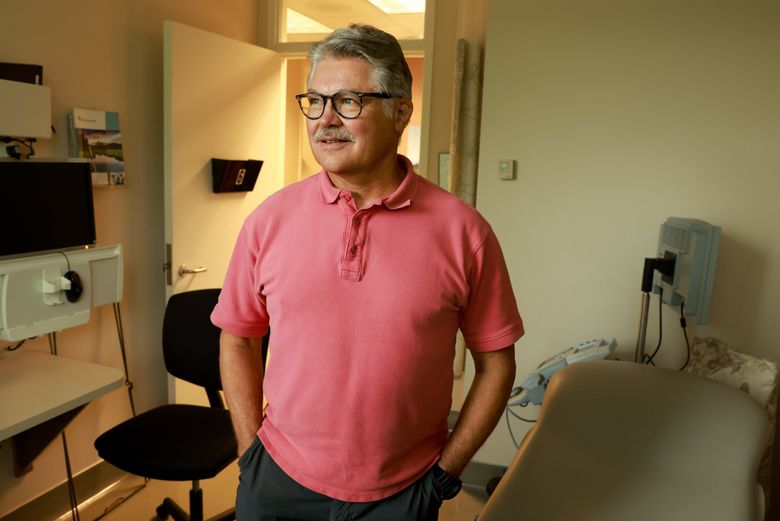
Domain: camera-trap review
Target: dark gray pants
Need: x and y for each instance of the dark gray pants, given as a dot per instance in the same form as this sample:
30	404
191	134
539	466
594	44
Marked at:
266	493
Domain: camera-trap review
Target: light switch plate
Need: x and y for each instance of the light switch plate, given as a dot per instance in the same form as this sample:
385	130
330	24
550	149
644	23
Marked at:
506	169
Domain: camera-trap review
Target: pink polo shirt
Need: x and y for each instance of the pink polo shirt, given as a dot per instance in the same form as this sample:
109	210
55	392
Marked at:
364	306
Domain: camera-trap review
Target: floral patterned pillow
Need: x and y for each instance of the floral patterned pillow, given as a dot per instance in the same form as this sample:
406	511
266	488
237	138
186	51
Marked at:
715	359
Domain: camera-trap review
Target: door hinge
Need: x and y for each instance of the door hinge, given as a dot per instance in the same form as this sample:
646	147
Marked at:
168	264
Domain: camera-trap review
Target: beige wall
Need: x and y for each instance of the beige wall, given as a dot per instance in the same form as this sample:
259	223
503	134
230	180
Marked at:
621	114
108	55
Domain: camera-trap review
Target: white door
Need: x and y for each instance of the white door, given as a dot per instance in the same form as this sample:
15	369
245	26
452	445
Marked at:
222	99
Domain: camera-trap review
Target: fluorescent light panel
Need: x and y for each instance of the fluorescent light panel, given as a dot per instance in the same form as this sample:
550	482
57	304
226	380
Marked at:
400	6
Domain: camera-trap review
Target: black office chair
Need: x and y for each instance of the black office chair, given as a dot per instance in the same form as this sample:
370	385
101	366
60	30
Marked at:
181	442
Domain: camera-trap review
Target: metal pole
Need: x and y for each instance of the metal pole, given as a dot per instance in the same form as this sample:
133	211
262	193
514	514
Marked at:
639	353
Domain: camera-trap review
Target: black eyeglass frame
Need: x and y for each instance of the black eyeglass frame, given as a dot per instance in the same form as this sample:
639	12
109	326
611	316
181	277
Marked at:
360	95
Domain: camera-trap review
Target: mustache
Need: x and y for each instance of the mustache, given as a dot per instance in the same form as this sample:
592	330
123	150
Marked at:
333	133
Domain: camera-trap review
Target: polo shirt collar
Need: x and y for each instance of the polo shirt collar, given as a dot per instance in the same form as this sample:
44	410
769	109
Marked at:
400	198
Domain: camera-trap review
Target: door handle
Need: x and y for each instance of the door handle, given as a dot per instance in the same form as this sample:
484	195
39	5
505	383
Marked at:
186	270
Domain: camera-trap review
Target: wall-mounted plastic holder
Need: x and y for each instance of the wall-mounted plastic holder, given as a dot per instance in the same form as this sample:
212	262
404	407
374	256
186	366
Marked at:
234	175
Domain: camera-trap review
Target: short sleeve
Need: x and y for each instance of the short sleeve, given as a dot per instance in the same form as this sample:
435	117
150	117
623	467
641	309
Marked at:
241	309
490	320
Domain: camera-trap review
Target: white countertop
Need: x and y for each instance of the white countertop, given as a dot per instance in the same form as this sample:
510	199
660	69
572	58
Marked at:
36	387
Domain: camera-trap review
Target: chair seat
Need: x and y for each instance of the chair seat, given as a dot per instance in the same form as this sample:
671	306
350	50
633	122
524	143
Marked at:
617	441
175	442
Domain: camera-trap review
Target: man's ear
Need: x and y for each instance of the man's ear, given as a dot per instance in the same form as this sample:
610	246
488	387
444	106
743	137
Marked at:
403	114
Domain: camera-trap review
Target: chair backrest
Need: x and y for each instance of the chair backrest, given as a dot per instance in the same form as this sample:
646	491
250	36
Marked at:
619	440
190	340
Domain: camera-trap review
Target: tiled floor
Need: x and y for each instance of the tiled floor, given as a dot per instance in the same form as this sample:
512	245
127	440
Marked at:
219	493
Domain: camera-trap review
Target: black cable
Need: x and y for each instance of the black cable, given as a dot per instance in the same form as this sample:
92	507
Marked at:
509	411
74	502
509	426
684	325
17	346
66	259
120	331
13	150
513	413
651	359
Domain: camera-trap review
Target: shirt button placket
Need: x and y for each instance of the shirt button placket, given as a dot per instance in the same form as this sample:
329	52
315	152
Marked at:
351	265
356	237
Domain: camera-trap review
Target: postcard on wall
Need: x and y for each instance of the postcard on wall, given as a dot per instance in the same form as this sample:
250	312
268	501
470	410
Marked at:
95	134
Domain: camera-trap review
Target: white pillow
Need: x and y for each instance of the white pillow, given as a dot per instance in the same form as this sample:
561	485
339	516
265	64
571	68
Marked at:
716	359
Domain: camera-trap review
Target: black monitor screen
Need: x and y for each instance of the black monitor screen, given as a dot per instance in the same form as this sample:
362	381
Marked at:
45	206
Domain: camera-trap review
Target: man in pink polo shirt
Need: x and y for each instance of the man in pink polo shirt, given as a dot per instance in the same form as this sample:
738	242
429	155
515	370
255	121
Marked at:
364	273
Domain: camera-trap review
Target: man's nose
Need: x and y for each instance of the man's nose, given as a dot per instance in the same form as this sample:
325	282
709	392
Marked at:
329	116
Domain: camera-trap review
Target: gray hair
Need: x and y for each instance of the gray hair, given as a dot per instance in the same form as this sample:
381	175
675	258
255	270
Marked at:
380	49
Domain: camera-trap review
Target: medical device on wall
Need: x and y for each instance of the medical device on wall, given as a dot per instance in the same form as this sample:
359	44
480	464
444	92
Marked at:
533	386
683	272
36	297
51	273
693	245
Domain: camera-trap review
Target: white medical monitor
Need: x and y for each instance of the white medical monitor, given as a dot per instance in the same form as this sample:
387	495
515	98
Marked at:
693	245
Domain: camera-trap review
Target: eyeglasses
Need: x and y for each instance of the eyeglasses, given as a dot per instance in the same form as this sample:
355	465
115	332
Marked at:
346	103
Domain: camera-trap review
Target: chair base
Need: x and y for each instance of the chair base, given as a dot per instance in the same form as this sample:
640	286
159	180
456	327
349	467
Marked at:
169	508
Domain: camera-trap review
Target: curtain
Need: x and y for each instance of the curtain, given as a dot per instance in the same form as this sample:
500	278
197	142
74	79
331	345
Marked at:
464	143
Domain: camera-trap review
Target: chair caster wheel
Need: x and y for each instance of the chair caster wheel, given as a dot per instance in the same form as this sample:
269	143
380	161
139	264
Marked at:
491	485
162	512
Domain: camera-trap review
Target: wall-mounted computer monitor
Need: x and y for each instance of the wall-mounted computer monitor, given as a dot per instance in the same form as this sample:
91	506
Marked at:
46	206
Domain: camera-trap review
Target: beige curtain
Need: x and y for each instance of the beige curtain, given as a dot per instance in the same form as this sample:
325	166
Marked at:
464	143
